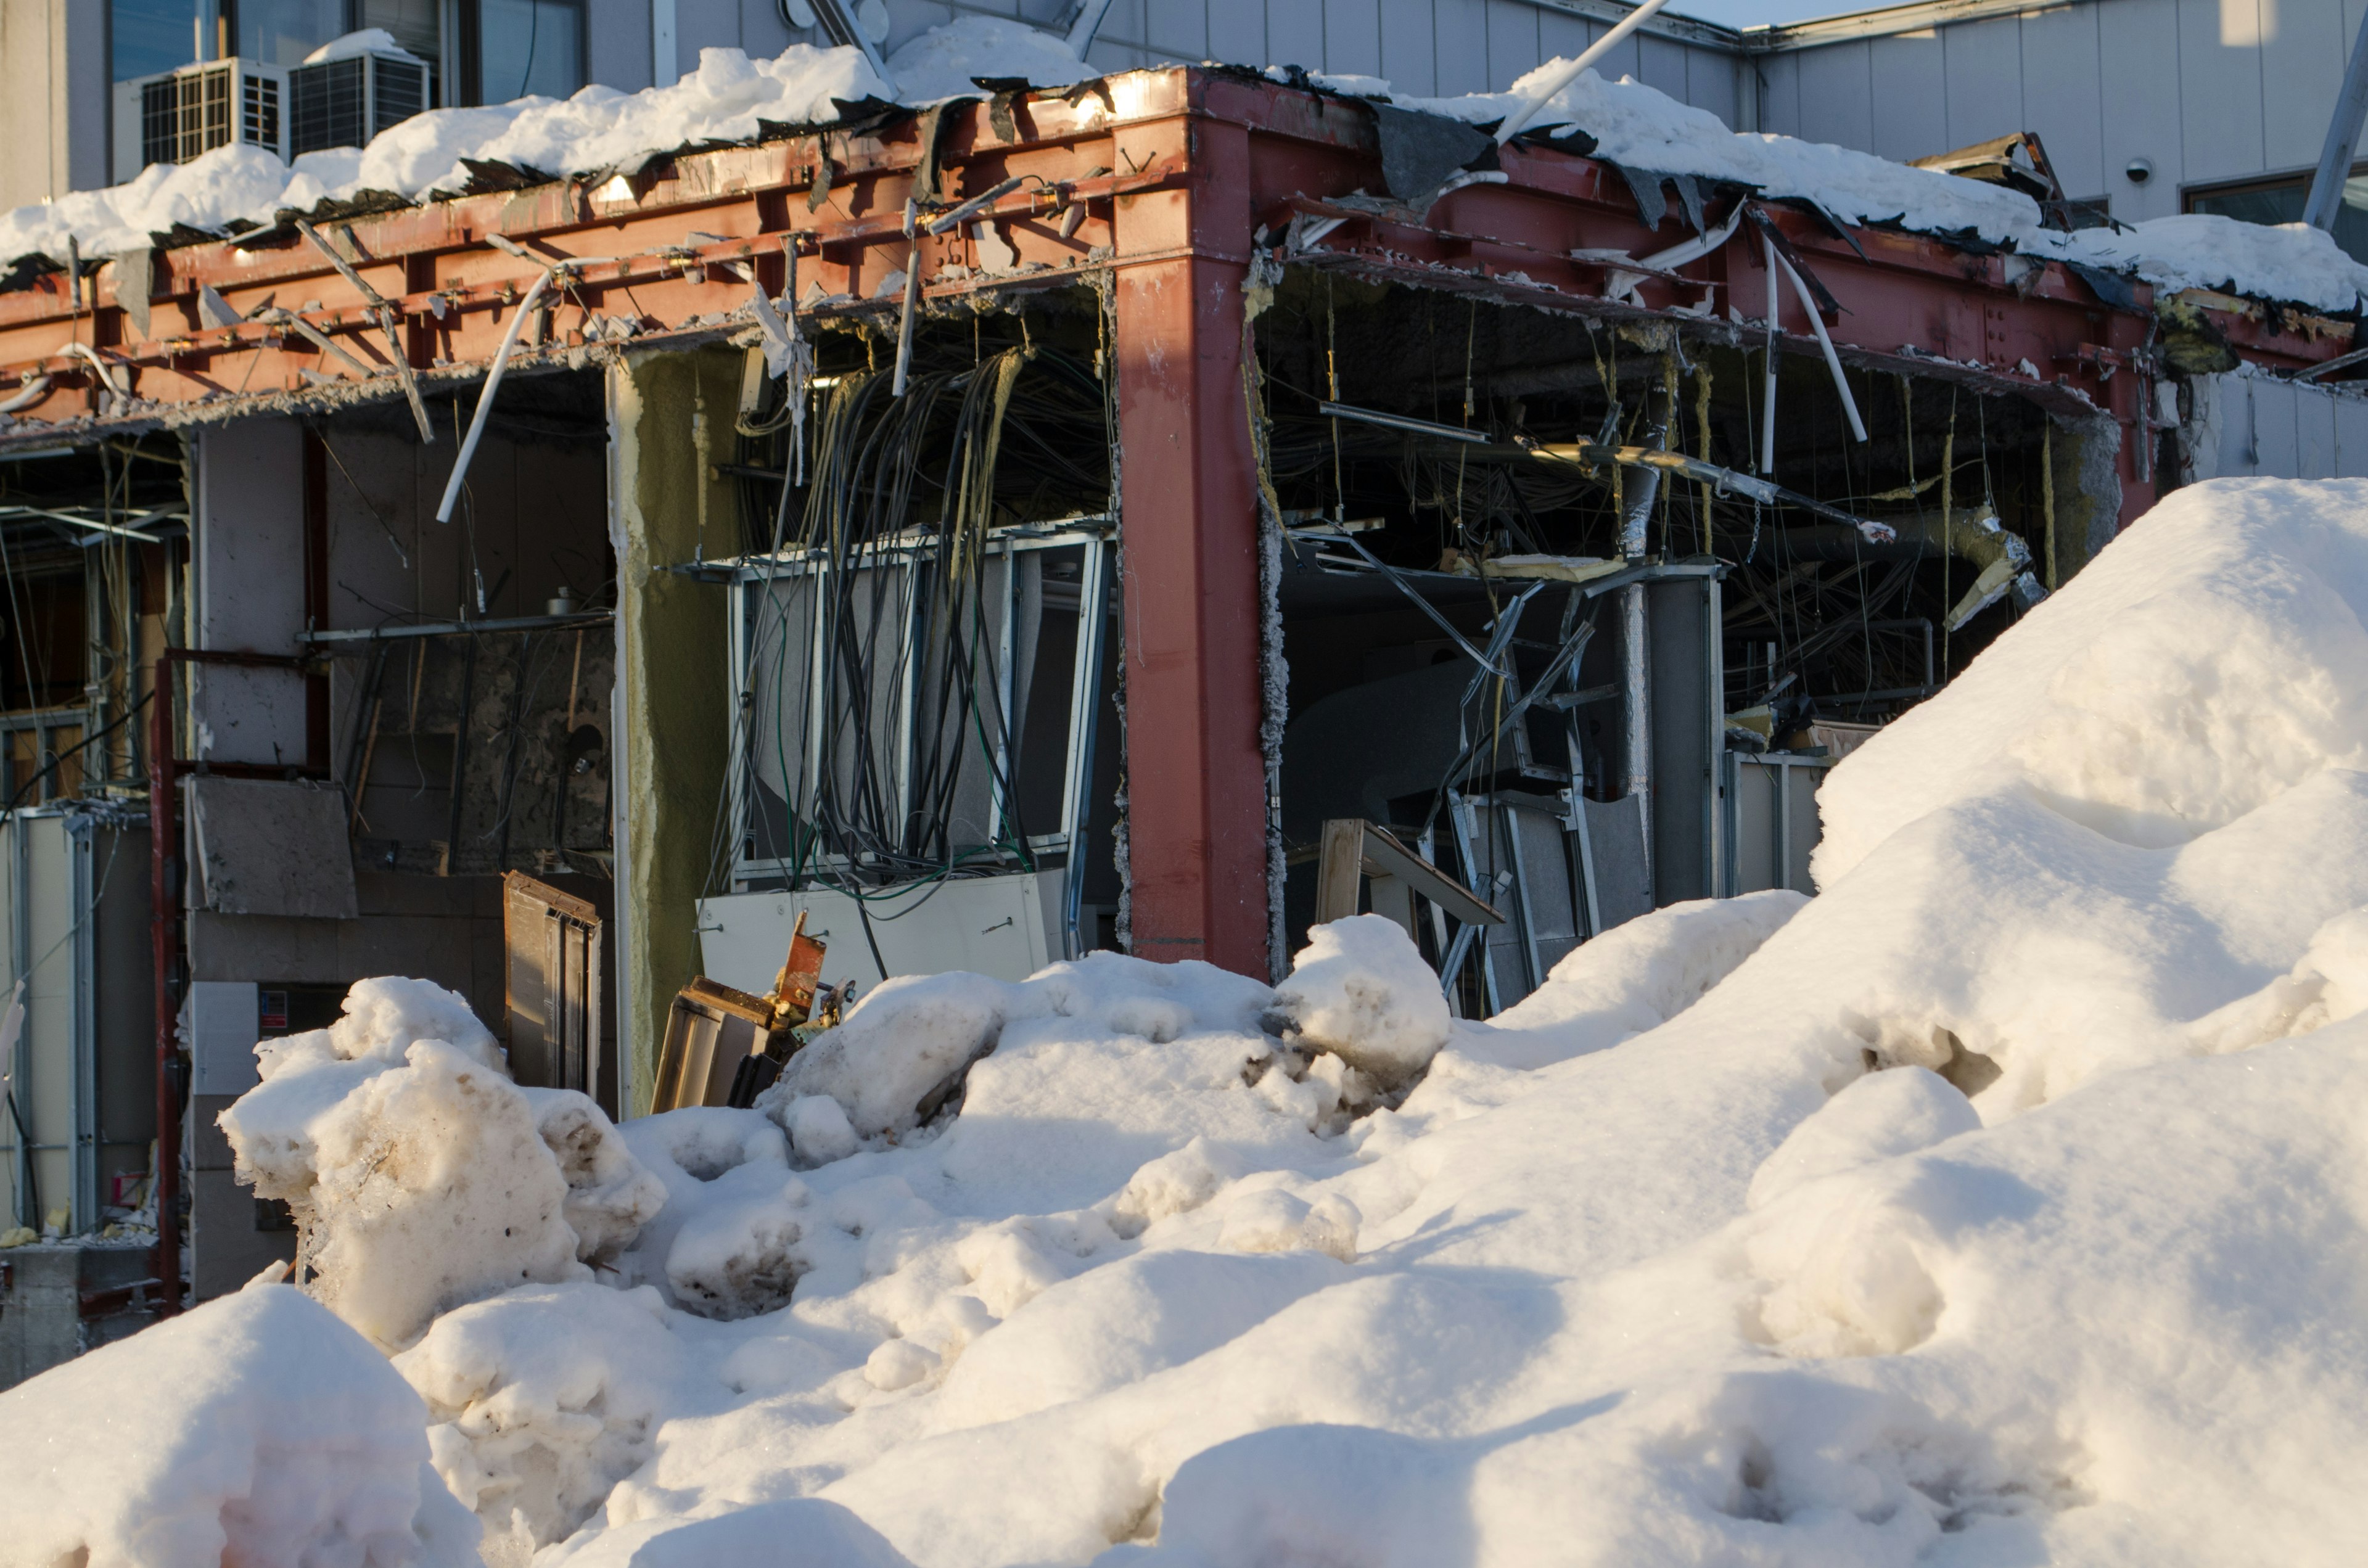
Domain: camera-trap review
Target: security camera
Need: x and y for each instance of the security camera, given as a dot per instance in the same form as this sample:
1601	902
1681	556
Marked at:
2139	170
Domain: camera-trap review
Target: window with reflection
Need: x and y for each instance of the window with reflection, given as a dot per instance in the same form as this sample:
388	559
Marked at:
2281	201
526	47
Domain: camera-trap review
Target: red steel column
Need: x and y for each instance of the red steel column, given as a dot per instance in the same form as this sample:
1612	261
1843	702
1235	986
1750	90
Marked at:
1196	777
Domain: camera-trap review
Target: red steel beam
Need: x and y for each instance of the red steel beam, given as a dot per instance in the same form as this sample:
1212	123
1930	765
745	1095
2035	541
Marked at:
1188	544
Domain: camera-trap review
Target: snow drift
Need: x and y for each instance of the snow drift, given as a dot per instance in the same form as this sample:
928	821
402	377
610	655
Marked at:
1999	1205
256	1429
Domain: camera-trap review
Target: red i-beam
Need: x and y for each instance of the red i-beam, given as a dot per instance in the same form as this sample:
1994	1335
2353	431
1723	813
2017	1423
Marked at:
1189	548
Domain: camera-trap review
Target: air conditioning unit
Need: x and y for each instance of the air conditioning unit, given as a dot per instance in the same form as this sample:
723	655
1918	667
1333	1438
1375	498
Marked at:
346	101
182	114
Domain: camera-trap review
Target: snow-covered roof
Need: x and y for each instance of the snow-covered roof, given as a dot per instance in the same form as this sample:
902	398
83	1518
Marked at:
730	97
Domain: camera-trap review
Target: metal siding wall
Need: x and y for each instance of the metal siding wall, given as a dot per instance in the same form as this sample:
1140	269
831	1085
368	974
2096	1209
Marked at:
2276	428
1710	84
1835	105
1663	65
1512	41
1408	58
1461	31
2059	94
1909	99
2138	58
2350	438
2219	89
617	43
2315	437
1780	94
1353	37
1626	58
1985	79
1294	35
1179	27
1236	29
2303	47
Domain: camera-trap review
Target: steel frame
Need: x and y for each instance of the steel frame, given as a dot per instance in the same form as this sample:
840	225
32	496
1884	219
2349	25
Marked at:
1156	188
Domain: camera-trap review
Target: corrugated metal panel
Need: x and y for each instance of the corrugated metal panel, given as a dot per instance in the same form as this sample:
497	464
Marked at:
2220	87
2303	47
1835	105
1985	75
1623	61
1711	81
1909	96
1353	37
2059	94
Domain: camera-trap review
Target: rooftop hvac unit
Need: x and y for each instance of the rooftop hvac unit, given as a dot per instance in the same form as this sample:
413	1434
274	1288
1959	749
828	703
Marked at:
345	102
180	115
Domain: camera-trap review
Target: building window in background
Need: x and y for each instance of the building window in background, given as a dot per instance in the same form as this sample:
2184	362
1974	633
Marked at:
2281	200
282	32
145	37
514	48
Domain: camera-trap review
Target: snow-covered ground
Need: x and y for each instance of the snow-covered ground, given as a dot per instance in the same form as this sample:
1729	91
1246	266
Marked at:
601	129
2003	1204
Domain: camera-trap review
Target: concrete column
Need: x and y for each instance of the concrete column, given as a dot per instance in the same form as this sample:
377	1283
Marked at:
672	730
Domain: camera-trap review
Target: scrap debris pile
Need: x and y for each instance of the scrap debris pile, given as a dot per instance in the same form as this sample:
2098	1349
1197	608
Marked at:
1999	1203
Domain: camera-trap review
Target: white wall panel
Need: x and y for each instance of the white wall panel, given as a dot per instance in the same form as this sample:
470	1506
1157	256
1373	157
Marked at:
2275	429
1179	28
1908	95
2138	55
1780	94
1835	103
1561	34
1625	58
1294	33
1662	64
1461	37
2059	94
1408	55
1353	37
2220	87
2303	47
1985	77
1237	31
2315	450
1711	79
2351	435
1512	41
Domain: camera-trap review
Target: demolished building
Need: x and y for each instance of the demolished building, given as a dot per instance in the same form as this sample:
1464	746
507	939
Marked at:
993	532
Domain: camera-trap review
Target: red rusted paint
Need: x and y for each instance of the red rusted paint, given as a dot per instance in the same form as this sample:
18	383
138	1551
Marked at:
1196	776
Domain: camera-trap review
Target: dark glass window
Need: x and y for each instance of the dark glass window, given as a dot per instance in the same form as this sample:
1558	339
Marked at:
2280	201
528	46
149	36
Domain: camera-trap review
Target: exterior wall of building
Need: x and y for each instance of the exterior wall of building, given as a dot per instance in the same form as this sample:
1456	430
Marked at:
2246	425
53	99
2206	90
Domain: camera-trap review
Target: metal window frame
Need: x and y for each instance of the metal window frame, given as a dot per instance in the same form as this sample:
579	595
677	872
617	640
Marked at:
751	578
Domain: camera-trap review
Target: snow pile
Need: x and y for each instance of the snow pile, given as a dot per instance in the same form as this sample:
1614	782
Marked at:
420	1176
1999	1205
1360	991
1646	129
256	1429
598	131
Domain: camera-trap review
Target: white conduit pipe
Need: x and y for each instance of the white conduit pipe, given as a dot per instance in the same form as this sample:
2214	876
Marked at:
1833	360
31	393
1768	400
485	398
1520	117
